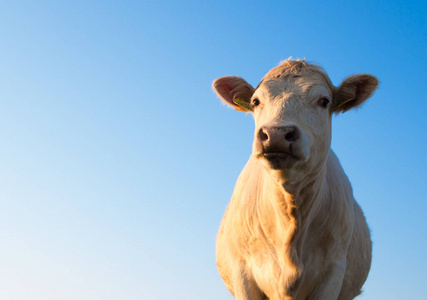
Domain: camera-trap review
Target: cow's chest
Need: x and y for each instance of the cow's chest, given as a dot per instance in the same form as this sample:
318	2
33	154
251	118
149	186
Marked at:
278	279
278	274
268	262
268	272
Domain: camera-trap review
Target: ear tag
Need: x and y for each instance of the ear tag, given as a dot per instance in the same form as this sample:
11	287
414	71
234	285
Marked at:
342	103
242	103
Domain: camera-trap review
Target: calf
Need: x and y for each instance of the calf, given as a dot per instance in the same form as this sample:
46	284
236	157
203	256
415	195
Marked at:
292	229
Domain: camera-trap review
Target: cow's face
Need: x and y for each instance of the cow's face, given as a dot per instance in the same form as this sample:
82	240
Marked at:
292	123
292	108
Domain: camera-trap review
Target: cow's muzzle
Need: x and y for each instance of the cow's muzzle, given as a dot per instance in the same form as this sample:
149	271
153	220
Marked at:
280	142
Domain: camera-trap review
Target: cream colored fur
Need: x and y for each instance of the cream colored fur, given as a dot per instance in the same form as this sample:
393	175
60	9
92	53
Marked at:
295	232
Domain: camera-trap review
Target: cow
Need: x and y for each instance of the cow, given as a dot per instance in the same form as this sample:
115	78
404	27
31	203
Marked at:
293	229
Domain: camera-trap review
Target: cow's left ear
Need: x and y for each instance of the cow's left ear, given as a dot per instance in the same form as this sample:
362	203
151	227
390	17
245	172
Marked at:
353	91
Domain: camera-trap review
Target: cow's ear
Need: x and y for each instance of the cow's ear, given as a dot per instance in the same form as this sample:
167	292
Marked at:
234	91
353	91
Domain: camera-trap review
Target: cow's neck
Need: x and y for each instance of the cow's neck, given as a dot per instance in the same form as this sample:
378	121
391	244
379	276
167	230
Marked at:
295	203
300	197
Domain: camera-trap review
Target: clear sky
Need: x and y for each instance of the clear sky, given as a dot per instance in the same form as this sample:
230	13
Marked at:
117	160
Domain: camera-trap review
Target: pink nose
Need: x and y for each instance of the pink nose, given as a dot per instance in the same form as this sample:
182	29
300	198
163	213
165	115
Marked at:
279	139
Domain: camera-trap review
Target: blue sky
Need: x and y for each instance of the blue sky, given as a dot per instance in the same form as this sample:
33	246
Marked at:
117	160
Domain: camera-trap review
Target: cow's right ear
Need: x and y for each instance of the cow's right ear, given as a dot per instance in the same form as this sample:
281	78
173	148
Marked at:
234	91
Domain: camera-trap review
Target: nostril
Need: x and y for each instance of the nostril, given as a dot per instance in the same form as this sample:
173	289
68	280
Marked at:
263	135
291	135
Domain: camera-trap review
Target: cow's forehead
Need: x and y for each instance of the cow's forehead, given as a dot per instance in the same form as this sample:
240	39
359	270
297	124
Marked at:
301	72
300	86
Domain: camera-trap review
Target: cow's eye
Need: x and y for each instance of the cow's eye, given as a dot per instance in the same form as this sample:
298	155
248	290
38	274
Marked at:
255	102
323	102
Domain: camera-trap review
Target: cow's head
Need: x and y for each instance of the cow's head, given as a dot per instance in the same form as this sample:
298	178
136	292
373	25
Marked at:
292	108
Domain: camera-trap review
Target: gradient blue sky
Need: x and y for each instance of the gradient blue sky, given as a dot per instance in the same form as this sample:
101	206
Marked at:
117	160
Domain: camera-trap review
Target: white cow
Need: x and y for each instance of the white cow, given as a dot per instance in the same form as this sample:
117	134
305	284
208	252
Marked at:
292	229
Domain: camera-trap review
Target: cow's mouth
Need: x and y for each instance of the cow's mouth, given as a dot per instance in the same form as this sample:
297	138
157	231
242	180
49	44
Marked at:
278	159
270	155
278	155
